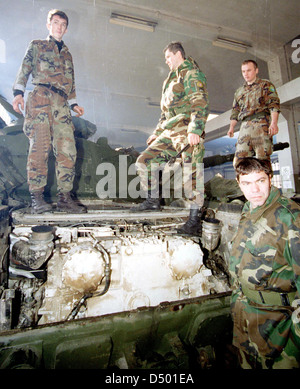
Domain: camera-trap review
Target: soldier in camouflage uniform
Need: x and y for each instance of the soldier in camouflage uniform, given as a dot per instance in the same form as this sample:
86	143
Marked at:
265	270
257	106
184	111
48	119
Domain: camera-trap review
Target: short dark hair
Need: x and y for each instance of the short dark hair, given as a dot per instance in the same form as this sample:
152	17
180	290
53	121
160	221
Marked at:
250	61
58	13
174	47
251	165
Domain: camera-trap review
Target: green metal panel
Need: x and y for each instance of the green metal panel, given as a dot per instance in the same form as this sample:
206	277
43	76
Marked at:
165	336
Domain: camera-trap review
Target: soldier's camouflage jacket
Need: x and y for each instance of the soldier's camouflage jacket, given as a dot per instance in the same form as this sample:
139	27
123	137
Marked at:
265	256
184	97
259	97
48	66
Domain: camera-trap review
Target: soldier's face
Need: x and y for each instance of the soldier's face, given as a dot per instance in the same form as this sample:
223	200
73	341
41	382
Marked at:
256	187
249	72
173	60
57	27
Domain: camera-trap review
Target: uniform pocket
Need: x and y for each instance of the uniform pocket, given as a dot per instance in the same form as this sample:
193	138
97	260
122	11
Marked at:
258	263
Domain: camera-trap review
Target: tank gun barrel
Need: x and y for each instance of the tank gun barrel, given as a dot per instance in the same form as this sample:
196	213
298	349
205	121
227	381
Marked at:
216	160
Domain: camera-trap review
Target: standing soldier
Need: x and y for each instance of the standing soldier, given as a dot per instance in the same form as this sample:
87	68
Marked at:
184	111
48	119
265	270
257	105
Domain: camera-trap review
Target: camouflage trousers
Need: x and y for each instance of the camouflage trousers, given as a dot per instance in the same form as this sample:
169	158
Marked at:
266	337
48	123
254	140
188	175
288	359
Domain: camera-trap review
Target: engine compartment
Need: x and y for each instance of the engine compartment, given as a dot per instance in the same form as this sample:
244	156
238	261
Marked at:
114	266
65	272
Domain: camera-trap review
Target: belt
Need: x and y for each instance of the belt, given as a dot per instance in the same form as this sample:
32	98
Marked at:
268	297
55	90
259	115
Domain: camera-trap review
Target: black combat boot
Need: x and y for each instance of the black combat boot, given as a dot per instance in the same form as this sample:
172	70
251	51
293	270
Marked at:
192	226
150	204
65	203
38	203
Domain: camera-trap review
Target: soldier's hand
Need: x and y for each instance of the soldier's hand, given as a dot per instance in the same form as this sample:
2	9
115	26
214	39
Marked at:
273	129
18	101
79	110
193	139
233	123
230	133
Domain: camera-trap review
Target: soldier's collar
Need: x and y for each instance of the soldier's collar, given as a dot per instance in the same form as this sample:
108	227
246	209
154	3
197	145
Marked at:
50	38
188	63
59	44
255	82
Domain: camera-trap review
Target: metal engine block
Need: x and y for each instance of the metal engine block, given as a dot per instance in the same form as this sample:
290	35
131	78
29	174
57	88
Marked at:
90	269
115	289
94	271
